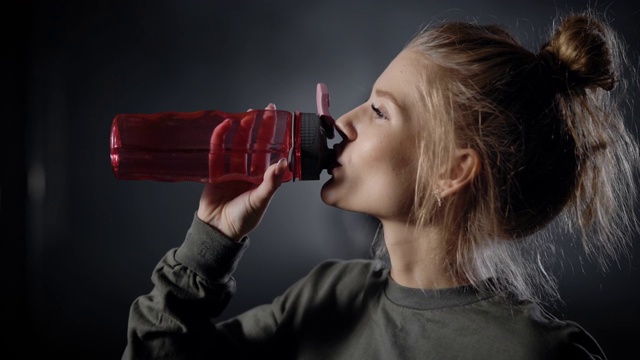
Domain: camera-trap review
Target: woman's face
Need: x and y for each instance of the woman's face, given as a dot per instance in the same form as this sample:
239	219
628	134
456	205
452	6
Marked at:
378	156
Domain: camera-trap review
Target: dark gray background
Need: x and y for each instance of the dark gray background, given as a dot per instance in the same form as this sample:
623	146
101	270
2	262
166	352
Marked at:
78	245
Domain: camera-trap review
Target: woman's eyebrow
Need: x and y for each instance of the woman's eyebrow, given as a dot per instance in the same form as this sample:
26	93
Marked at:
388	95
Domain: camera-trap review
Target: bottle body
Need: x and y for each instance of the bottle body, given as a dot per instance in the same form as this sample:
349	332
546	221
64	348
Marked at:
203	146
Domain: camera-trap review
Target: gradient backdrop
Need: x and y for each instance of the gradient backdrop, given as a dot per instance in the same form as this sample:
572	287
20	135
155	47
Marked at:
78	245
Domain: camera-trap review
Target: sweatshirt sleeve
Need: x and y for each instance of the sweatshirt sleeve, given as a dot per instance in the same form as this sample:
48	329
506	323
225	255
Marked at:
192	285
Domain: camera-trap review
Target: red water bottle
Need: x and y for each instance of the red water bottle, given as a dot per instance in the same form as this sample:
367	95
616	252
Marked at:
215	146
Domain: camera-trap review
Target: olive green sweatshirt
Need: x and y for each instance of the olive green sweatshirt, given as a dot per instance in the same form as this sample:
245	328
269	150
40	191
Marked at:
340	310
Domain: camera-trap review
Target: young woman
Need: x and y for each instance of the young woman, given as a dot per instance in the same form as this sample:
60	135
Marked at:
469	150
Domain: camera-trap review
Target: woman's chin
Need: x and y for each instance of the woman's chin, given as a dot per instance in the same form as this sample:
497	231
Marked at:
328	192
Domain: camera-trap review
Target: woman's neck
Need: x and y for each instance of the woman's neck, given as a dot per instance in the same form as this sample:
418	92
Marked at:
417	256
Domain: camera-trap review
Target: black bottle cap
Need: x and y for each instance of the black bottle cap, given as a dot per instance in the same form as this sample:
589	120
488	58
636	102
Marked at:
315	155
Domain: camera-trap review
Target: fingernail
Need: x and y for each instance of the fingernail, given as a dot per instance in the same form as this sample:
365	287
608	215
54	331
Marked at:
272	106
280	167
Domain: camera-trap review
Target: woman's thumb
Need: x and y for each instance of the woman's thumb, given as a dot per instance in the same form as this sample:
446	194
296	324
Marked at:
271	182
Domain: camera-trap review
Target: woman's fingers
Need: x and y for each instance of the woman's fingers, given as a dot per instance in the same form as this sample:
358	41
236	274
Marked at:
235	149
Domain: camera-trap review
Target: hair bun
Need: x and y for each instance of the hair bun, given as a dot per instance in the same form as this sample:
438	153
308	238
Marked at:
580	55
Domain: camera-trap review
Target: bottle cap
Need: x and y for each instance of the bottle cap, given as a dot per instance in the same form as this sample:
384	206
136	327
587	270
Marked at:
311	152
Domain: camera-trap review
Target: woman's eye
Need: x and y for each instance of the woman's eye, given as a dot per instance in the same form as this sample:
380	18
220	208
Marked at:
379	113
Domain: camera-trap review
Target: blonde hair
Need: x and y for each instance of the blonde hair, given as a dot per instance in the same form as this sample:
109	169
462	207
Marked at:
549	130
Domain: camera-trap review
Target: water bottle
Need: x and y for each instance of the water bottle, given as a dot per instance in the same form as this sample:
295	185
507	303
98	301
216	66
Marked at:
215	146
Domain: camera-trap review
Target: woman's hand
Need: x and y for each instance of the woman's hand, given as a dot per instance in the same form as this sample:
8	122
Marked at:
236	207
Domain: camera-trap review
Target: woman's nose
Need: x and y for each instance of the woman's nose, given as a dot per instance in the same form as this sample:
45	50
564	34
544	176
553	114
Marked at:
345	127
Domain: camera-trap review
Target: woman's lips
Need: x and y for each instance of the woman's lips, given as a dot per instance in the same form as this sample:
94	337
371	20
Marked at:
333	159
333	165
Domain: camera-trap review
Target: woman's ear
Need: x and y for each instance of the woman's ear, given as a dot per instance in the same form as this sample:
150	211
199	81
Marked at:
464	167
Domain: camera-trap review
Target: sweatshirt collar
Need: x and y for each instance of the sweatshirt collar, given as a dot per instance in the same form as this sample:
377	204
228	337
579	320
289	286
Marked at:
430	299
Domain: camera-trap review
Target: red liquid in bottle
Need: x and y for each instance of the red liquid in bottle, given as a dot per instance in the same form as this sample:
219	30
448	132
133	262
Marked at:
202	146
